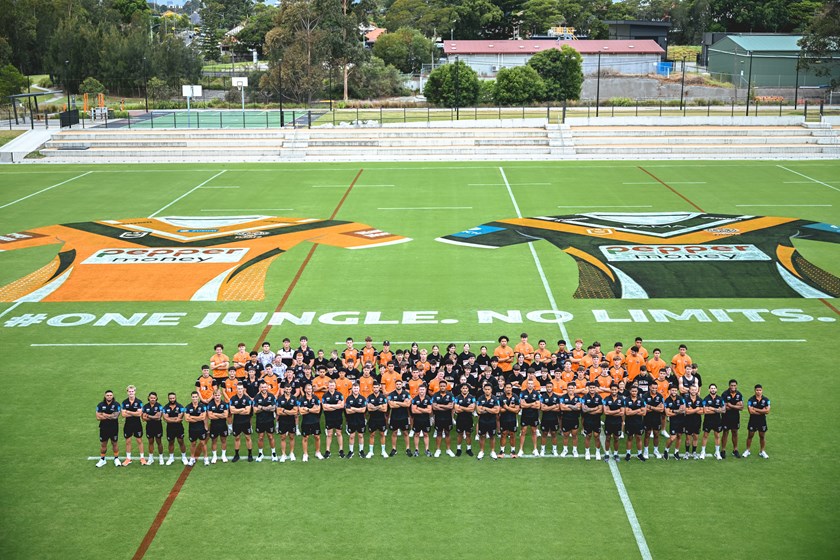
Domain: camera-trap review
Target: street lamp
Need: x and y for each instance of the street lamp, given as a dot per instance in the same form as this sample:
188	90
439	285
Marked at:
598	86
66	82
682	85
145	85
457	92
280	88
749	84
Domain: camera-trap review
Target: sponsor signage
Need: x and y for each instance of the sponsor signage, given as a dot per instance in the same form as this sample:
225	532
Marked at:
168	255
660	253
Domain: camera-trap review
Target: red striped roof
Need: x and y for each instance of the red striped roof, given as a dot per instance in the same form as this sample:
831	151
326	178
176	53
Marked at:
525	46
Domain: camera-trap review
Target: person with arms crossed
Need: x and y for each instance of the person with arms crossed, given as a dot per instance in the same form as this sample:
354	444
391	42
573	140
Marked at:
196	416
173	415
508	412
229	390
421	414
132	409
681	361
265	406
570	406
529	402
734	402
487	407
152	412
287	411
550	407
634	422
656	363
464	408
442	404
759	407
355	406
713	409
219	363
377	408
240	359
333	406
309	408
693	420
675	412
399	403
613	417
108	413
654	409
592	407
241	408
218	411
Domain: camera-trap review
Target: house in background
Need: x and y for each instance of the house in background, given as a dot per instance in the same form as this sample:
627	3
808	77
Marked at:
638	30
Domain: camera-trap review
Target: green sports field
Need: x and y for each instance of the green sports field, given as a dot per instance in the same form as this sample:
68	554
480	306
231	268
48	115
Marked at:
57	362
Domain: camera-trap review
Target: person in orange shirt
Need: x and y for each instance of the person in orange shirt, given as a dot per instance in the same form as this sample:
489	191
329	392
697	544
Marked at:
505	354
543	352
319	384
580	383
350	356
386	356
655	364
604	381
578	354
642	351
229	388
389	379
241	358
634	362
567	374
422	364
369	353
597	354
206	385
271	380
414	383
590	358
366	381
343	385
219	363
558	385
680	361
439	382
616	351
524	349
617	371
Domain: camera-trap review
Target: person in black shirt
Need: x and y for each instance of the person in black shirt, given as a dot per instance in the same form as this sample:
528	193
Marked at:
320	361
286	423
465	355
464	408
241	408
152	413
196	415
734	402
308	354
550	408
132	409
563	355
613	416
713	409
570	406
530	402
487	407
265	406
377	407
421	413
483	359
332	404
693	420
634	422
675	412
517	377
251	384
399	402
644	381
508	411
310	422
759	407
218	411
355	406
108	412
442	405
653	419
592	408
173	415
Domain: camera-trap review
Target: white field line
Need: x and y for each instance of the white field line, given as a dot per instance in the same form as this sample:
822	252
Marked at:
11	307
641	542
721	340
115	344
345	186
45	190
783	205
244	209
428	208
232	187
393	342
110	458
188	193
671	183
809	178
502	184
642	206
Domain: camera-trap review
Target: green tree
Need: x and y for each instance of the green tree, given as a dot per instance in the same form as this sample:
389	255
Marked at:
158	89
454	84
821	41
253	35
539	15
12	81
128	8
406	49
518	86
91	86
561	70
375	79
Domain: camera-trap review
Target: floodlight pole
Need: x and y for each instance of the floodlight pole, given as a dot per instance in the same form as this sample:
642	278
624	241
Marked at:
66	82
796	87
598	87
682	86
280	87
749	84
145	85
457	91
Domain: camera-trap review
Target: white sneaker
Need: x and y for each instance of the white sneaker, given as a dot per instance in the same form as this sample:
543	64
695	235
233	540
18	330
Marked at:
657	454
597	455
282	458
170	461
224	458
564	453
369	455
521	453
587	457
554	453
319	456
292	457
540	454
185	461
645	453
664	433
117	462
160	460
384	454
538	432
274	458
259	458
206	462
101	463
575	452
476	435
437	453
493	455
305	458
703	454
763	455
745	454
192	461
480	455
718	457
450	453
399	433
147	463
411	433
297	431
213	460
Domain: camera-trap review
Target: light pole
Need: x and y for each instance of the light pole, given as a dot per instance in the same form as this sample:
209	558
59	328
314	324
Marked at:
66	81
796	87
598	86
682	85
280	88
457	91
749	84
145	85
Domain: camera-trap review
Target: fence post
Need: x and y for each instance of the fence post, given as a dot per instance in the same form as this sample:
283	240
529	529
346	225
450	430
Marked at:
733	107
333	117
129	121
9	115
708	107
563	118
197	119
612	110
637	106
822	106
153	119
588	109
266	120
523	112
475	113
780	108
755	114
47	120
294	121
405	117
428	114
660	107
106	117
381	118
805	111
357	115
309	119
548	113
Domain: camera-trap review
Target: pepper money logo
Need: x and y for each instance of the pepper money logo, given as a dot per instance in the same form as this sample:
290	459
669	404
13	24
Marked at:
164	255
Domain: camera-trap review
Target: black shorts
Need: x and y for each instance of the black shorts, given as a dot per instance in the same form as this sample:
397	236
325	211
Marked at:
692	425
757	425
731	422
653	422
486	429
508	426
712	423
443	423
198	434
570	424
218	431
398	424
634	428
265	428
612	428
422	424
530	421
550	425
174	431
464	425
591	424
243	428
154	429
108	433
356	426
677	428
376	424
333	422
133	430
286	425
310	429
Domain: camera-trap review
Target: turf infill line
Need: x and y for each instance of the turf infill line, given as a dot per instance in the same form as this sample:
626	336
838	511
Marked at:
641	542
195	188
426	208
45	190
114	344
827	304
796	173
727	339
670	188
161	515
432	342
305	262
